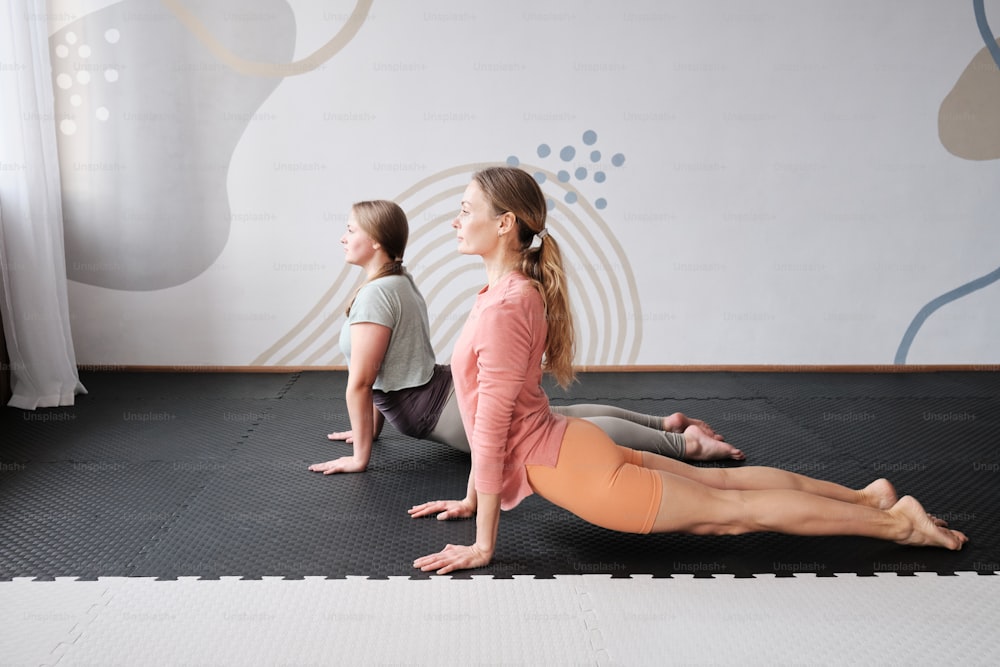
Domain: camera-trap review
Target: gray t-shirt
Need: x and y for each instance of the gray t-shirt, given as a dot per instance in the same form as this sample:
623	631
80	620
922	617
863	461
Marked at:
395	302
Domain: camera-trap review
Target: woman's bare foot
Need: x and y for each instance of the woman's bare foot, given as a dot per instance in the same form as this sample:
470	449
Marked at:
679	422
700	446
923	529
880	494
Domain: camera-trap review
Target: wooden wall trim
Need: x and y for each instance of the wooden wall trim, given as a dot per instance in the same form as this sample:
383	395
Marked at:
700	368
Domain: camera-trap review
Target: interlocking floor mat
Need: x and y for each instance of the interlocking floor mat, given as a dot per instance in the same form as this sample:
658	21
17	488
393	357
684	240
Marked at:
171	475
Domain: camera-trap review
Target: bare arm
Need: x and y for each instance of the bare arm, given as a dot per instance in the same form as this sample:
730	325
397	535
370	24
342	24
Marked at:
486	506
450	509
368	346
348	436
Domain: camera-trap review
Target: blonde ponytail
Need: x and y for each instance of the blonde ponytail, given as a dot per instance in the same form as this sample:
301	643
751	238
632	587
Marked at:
514	190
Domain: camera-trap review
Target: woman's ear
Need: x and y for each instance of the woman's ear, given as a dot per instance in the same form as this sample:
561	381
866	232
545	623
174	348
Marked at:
505	223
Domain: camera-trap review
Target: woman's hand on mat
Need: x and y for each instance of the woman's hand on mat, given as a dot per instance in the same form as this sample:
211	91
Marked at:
343	464
454	557
445	509
346	436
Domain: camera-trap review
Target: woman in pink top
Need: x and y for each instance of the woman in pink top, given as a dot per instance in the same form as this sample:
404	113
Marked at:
521	326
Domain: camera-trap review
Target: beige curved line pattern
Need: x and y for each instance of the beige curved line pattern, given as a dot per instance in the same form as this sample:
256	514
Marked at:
600	298
969	118
351	27
453	278
267	357
430	269
468	168
629	276
581	228
565	238
568	238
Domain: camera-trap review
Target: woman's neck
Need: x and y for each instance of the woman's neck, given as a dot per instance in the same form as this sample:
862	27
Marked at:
375	265
498	267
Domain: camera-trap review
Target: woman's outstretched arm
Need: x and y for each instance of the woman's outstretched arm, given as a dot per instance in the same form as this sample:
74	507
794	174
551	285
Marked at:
450	509
348	436
458	557
369	342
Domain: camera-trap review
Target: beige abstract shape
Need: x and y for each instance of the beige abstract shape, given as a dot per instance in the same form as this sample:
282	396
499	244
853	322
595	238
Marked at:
969	118
351	27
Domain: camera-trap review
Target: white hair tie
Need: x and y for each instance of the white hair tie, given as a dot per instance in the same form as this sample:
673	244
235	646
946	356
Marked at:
542	233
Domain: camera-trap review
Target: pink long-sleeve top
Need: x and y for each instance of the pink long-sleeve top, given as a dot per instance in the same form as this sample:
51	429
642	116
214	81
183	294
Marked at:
497	371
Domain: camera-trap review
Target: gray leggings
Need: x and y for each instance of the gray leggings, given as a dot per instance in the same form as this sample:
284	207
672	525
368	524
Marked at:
627	428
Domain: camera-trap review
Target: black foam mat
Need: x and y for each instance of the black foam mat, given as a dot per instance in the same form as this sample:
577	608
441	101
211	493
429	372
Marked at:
205	475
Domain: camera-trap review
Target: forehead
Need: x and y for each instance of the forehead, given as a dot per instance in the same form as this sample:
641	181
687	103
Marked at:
473	194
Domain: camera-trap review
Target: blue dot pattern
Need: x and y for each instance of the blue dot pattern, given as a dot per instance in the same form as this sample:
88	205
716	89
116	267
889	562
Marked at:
577	172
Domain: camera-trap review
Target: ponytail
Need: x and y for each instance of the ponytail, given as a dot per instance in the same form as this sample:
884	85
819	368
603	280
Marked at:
514	190
544	266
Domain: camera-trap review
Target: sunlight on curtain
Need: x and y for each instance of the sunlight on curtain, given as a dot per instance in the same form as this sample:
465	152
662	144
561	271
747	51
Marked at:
34	299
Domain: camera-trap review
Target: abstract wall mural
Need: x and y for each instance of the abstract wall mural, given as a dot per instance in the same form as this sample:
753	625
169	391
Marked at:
731	184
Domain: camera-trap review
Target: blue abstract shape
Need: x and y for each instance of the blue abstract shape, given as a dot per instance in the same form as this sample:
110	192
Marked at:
581	173
563	176
567	153
601	202
599	176
570	197
539	177
544	150
985	31
925	312
512	161
979	283
595	156
618	159
589	137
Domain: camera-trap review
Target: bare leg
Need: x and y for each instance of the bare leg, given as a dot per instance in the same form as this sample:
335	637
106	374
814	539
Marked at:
879	494
691	507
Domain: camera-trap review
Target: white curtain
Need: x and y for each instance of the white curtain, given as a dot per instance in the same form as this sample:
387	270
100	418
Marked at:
34	301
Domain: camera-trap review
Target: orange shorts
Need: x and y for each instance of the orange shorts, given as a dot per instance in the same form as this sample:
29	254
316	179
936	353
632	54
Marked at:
599	481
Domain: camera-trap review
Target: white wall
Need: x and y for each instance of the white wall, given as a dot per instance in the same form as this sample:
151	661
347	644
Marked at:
799	179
